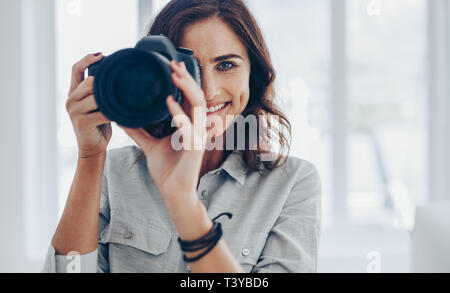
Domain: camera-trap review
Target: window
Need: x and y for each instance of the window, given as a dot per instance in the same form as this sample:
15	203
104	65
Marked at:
385	134
387	111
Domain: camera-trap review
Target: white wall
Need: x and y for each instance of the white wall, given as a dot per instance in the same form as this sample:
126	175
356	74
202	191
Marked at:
11	187
28	200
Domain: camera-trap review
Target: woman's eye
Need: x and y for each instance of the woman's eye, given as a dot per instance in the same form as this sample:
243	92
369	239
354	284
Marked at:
225	66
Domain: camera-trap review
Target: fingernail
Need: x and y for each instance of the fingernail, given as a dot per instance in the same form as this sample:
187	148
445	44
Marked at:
97	54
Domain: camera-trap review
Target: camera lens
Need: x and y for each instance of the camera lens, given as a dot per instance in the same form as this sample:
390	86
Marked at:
138	87
131	86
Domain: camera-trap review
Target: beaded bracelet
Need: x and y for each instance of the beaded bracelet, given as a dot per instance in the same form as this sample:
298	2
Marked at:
208	241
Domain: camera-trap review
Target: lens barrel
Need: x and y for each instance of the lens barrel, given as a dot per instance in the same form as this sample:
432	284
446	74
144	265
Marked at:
131	87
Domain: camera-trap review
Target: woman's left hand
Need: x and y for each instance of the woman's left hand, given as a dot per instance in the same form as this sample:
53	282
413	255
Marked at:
176	172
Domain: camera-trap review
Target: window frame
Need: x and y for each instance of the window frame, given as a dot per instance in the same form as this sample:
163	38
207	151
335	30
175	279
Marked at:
39	126
338	112
438	101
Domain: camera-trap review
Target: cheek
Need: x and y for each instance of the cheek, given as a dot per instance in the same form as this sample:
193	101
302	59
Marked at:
240	99
239	89
245	97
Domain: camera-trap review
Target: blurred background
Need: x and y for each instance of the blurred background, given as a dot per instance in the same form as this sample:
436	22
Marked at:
365	84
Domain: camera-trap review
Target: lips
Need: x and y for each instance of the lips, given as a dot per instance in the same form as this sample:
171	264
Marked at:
216	108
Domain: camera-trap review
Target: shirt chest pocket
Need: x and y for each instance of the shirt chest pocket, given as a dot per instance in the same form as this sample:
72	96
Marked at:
135	245
247	248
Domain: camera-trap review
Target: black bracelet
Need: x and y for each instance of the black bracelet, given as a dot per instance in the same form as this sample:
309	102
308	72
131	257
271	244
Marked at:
208	241
191	246
211	246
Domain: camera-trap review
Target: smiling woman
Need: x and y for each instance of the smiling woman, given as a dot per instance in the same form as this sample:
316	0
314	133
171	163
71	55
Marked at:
127	217
236	68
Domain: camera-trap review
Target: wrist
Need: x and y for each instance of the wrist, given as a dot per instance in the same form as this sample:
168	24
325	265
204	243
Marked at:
92	158
192	222
180	201
92	164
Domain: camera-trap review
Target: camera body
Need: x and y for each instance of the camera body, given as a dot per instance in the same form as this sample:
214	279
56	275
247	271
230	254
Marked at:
131	85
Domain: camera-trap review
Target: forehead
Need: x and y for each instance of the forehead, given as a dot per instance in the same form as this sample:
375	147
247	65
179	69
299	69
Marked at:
211	38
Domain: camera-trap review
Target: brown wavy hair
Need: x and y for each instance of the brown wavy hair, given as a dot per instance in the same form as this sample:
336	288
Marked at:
171	22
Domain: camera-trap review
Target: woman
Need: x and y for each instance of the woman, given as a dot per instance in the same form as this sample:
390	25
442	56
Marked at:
127	209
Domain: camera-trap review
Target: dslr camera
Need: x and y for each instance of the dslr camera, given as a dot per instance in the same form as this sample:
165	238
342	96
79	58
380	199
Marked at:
131	85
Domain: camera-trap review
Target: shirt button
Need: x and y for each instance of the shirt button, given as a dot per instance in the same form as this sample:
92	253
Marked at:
245	252
204	194
128	235
189	269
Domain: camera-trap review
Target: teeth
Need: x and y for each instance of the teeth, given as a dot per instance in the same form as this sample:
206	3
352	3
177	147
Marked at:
215	109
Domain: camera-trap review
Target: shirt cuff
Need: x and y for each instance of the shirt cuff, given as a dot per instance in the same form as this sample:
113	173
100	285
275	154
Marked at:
84	263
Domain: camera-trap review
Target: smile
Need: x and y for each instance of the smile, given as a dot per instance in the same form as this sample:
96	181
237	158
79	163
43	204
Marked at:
216	108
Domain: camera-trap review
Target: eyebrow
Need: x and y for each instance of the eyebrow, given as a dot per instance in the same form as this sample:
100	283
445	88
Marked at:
226	57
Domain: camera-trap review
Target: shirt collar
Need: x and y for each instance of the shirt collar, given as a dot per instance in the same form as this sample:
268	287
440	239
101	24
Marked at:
235	167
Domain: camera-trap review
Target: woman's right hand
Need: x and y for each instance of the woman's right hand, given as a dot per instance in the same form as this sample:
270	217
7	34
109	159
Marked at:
92	129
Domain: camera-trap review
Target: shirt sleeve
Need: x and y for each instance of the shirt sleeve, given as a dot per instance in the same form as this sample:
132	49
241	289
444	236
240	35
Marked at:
292	244
103	223
85	263
95	261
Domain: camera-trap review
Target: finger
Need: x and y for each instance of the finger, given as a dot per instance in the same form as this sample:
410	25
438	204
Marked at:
193	93
144	140
175	109
177	112
186	83
84	106
179	116
191	139
79	68
96	119
84	89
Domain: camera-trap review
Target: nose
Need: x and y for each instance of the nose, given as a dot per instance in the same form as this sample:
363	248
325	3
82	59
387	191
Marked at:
209	86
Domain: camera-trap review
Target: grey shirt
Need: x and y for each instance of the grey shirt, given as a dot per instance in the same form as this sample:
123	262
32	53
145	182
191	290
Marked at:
275	226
